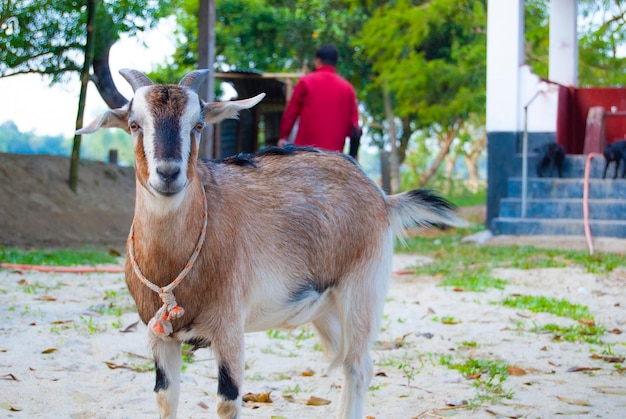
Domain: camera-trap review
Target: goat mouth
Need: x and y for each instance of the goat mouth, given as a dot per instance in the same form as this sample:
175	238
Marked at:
168	189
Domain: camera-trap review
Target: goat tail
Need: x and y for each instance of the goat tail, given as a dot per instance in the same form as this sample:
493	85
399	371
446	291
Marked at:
421	208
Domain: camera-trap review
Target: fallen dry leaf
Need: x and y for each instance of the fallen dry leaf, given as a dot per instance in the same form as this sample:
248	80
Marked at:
258	397
308	373
9	377
616	331
10	407
397	343
130	328
588	322
619	391
515	371
404	272
113	366
317	401
49	351
578	369
609	358
48	298
575	402
114	252
289	398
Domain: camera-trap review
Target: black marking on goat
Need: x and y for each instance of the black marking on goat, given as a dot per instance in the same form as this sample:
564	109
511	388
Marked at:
167	103
439	204
162	382
241	159
305	290
167	138
198	343
428	195
225	385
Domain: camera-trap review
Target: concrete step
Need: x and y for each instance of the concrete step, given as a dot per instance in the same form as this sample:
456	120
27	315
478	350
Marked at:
566	188
599	209
557	227
573	166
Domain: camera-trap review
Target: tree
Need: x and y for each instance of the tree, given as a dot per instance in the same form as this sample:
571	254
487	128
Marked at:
49	38
84	80
437	79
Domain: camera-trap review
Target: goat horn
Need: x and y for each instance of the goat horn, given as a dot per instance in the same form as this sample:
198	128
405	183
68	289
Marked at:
135	78
194	79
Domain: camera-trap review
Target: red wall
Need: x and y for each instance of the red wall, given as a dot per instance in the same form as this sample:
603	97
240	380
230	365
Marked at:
574	106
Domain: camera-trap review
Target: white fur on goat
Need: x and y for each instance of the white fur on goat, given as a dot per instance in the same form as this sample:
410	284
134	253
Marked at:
292	236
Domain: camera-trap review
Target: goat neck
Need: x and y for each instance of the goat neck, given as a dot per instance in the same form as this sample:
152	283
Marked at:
168	232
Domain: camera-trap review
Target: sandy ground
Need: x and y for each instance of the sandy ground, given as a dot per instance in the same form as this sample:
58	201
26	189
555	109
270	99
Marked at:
62	353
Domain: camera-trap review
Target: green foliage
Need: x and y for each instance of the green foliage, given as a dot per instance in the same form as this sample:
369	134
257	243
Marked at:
438	51
268	35
47	37
60	257
536	27
541	304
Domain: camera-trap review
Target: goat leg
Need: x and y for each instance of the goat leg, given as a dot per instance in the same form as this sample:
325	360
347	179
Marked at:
168	361
229	354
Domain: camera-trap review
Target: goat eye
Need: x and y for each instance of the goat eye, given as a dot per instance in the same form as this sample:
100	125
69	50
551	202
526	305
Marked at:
133	126
199	126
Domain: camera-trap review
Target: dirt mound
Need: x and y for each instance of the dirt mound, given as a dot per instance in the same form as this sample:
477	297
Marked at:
39	210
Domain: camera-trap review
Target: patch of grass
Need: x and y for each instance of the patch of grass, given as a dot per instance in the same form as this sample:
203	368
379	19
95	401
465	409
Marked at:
475	280
488	377
541	304
578	333
60	257
451	255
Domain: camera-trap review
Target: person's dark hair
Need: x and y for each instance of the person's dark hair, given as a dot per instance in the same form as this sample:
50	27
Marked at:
327	54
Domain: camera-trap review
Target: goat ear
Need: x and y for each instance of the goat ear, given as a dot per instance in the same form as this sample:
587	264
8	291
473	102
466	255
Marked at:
114	118
218	111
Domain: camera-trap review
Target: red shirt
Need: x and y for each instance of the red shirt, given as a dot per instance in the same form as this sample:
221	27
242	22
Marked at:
327	107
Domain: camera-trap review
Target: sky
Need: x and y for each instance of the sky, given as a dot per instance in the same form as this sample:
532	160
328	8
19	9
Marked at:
30	102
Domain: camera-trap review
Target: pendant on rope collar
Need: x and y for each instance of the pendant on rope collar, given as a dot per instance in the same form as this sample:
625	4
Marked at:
161	323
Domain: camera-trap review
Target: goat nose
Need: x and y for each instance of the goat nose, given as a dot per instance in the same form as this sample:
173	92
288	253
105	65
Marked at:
168	173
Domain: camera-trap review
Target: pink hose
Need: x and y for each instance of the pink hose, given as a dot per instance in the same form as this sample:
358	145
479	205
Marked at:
590	156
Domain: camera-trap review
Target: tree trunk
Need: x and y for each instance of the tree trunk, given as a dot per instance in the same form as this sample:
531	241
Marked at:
443	152
84	80
450	161
394	164
206	59
472	170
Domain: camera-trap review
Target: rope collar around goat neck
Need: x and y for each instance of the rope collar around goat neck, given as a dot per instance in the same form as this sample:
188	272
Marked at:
161	324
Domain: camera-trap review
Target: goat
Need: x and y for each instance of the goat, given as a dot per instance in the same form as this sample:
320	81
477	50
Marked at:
278	238
616	153
551	156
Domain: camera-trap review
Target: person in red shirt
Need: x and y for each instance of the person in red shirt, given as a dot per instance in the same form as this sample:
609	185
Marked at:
326	106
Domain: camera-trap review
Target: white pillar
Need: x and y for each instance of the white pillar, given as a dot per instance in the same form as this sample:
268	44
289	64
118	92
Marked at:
563	42
505	55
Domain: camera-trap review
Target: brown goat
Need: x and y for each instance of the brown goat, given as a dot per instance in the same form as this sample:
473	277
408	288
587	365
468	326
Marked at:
273	239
